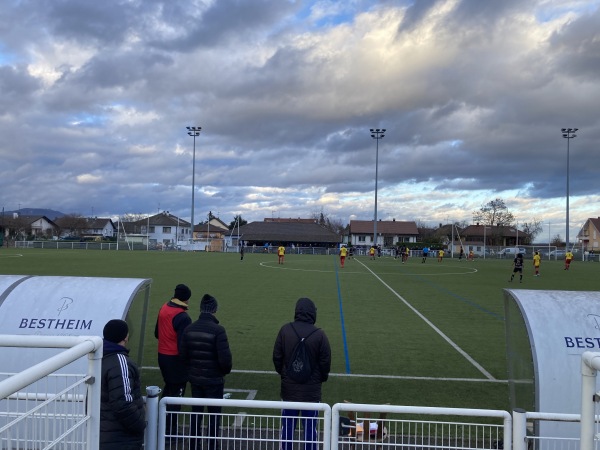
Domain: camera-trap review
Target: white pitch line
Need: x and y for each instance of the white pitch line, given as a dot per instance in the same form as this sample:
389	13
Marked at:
436	329
359	375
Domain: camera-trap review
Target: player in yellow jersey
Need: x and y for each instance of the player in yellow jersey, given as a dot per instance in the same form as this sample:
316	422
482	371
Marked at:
440	255
537	260
280	254
568	259
343	253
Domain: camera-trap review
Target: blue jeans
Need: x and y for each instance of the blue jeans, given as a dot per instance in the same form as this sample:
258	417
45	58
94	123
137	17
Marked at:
309	425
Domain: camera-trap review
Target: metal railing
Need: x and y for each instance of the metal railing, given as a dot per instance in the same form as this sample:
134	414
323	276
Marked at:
43	409
254	424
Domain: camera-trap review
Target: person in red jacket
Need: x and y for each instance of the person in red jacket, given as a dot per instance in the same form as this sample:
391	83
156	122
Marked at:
172	320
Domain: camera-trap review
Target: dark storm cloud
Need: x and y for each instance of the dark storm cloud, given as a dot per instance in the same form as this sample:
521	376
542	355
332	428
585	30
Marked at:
473	95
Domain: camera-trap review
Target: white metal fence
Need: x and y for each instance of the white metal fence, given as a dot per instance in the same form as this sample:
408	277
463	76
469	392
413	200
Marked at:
253	424
41	409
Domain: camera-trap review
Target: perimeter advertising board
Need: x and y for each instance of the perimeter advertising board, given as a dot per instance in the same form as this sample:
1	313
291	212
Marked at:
547	332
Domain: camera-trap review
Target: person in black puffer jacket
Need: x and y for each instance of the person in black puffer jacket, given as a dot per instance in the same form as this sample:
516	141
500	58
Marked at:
319	350
122	410
205	348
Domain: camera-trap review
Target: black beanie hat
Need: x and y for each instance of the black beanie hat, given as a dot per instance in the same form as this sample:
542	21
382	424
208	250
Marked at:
115	330
208	304
182	292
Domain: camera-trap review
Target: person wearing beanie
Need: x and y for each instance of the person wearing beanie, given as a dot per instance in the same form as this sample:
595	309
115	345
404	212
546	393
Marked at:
122	410
317	345
205	348
172	320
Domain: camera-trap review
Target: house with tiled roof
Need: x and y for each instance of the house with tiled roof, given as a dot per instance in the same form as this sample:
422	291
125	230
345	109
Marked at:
499	235
101	227
215	228
298	233
589	235
389	232
162	230
20	225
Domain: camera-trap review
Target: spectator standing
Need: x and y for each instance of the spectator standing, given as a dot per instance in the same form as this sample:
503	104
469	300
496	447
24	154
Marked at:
317	344
122	410
205	349
172	320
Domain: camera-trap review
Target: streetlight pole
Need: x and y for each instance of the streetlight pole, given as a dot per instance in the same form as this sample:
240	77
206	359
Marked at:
376	133
194	132
568	134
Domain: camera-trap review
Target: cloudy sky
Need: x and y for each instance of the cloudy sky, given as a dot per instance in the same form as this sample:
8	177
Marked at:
95	98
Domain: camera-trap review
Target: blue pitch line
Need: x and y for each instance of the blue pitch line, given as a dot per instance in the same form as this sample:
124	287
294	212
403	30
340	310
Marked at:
459	297
339	289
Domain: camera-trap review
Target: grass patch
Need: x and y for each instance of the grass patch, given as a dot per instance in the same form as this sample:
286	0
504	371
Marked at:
386	321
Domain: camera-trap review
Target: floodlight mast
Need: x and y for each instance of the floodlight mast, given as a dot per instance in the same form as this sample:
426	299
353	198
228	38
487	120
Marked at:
568	134
376	133
194	132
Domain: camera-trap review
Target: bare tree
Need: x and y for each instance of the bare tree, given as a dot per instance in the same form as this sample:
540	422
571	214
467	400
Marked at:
557	241
323	219
129	217
72	224
531	230
494	212
237	221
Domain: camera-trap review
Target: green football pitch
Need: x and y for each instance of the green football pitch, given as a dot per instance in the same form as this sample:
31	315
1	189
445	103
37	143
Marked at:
408	334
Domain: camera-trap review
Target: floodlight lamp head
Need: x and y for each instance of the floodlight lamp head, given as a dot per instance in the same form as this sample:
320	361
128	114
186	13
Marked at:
575	129
383	130
565	135
564	130
372	130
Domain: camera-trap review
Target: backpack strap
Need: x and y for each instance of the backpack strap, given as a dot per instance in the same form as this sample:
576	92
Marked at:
301	338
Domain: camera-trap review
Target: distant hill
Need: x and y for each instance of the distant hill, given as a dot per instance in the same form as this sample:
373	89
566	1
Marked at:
49	213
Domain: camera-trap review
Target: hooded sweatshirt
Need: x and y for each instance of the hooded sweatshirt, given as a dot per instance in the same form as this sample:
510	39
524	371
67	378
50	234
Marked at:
318	348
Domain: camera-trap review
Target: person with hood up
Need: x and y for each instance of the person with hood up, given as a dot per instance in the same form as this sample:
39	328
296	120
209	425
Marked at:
319	352
122	410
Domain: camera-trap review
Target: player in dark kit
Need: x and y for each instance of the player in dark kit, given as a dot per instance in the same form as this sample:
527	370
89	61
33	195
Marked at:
518	267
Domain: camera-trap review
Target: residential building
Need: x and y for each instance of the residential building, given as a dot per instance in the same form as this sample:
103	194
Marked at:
297	233
23	226
99	227
589	235
215	228
499	235
162	230
389	232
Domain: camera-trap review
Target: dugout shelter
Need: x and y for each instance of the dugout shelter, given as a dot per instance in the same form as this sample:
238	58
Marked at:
546	334
69	306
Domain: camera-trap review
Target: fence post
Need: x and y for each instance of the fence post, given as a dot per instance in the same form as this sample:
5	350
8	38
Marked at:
519	429
152	393
589	362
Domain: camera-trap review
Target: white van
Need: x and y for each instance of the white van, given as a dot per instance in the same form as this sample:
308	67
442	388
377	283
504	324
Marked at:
510	252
